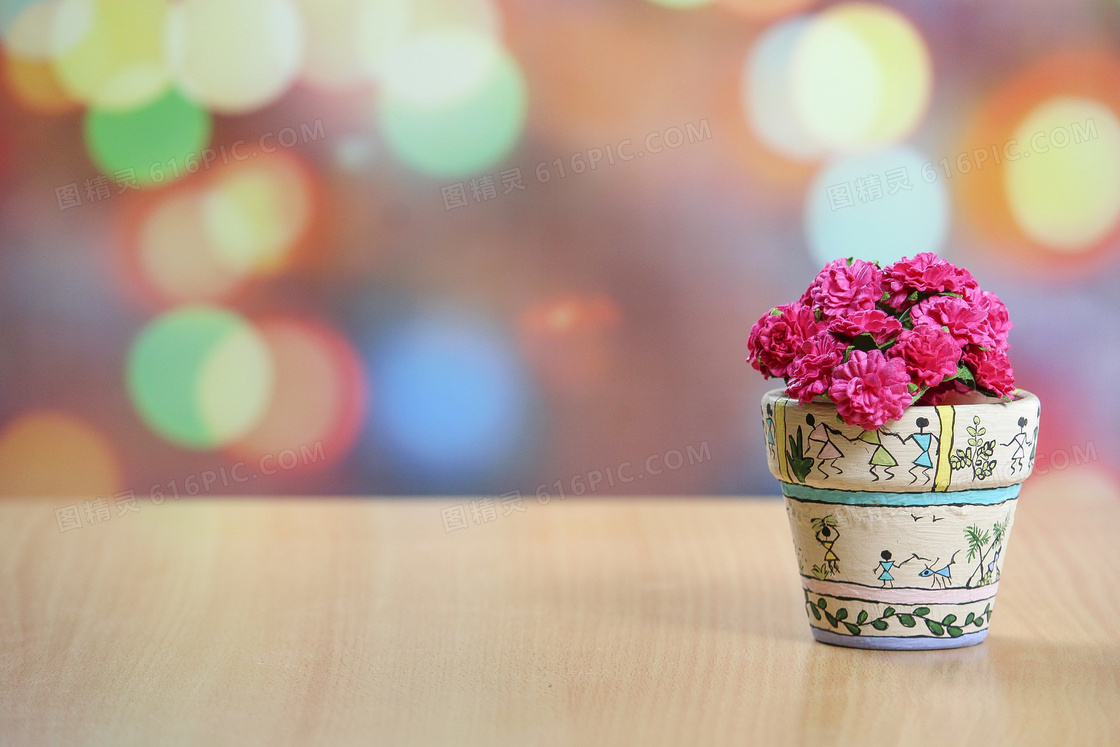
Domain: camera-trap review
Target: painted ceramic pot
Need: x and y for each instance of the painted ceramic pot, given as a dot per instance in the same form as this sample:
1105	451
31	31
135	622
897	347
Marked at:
901	532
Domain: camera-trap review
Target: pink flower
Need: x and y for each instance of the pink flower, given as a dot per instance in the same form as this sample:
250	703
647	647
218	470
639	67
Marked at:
925	273
966	323
776	338
811	372
998	320
930	354
992	370
928	318
841	288
878	324
870	389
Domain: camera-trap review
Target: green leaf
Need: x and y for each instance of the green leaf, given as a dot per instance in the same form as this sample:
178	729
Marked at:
799	464
861	618
906	621
818	525
888	612
978	622
879	624
955	632
921	612
864	342
831	620
971	616
816	612
935	628
841	614
948	619
852	628
821	603
965	375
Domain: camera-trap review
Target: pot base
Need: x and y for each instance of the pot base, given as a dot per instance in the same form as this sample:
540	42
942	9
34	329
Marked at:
887	643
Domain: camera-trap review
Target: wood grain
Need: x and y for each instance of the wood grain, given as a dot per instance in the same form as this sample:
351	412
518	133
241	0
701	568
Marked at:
640	622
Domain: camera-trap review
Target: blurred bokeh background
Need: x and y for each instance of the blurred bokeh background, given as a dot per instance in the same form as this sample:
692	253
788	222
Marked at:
484	246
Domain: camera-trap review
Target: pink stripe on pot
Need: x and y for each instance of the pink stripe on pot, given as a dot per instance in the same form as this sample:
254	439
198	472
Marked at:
899	596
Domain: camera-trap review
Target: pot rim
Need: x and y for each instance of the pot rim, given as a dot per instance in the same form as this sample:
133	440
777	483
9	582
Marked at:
944	464
1020	397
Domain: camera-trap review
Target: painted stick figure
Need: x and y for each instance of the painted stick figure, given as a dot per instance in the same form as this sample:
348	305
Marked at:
925	441
880	457
827	535
1020	441
822	434
1034	443
993	571
941	576
771	446
886	564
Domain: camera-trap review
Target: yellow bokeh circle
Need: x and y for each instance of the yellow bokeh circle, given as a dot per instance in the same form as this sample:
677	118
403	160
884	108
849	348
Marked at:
860	77
234	56
1064	187
110	53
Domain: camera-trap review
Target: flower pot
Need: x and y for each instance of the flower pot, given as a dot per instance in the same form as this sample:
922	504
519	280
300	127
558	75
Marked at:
901	532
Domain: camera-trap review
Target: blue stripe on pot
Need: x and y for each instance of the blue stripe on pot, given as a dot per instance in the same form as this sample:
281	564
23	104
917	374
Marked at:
986	497
898	643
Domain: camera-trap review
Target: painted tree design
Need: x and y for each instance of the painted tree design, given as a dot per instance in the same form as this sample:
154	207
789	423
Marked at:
981	543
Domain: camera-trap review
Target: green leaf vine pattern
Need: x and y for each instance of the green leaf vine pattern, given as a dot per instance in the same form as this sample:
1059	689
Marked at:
978	454
947	625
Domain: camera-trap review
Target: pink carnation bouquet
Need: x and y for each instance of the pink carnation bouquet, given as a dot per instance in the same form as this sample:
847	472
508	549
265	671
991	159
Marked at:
874	341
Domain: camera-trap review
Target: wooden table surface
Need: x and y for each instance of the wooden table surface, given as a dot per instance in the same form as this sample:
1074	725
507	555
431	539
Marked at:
628	622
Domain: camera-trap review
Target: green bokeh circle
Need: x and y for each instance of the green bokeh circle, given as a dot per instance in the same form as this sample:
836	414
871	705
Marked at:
172	383
464	137
153	140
